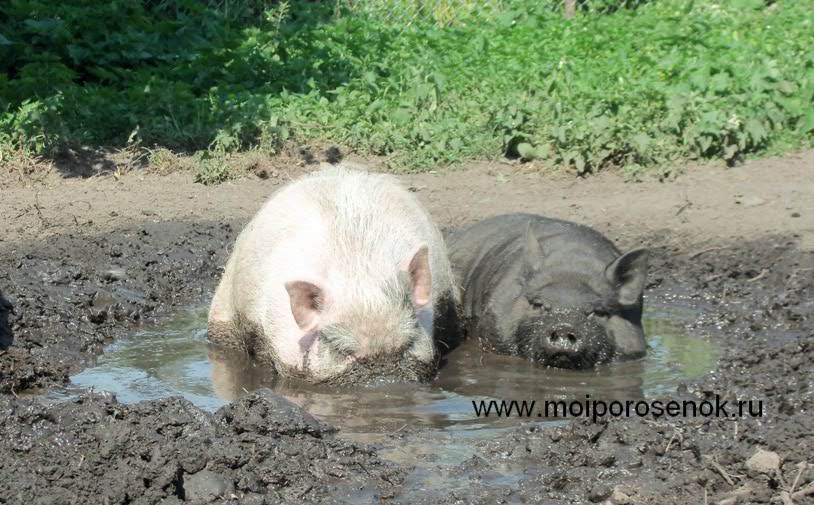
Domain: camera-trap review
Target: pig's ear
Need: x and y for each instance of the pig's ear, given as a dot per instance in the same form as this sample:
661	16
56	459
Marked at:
628	274
420	278
533	255
306	303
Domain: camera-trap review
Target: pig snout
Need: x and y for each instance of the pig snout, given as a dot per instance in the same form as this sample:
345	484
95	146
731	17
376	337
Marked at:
563	338
564	341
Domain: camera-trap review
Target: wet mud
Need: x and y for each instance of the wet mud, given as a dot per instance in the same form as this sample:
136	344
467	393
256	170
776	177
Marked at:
765	328
261	449
64	297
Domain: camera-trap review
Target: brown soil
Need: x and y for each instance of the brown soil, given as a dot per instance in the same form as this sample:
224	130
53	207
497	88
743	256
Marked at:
705	203
85	259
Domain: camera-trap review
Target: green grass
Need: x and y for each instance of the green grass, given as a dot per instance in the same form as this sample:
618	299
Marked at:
641	88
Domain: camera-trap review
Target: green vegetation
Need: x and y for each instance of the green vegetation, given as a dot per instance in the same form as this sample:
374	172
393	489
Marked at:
635	87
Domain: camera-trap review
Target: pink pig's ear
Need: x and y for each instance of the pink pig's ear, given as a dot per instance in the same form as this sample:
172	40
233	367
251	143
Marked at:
418	271
306	303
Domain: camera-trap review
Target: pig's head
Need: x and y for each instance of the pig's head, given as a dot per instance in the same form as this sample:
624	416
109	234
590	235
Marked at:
367	329
574	319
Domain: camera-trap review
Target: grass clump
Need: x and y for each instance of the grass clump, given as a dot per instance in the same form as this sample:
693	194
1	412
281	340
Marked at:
636	87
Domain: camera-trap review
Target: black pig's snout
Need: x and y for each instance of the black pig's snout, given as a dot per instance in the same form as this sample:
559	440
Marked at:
564	337
564	340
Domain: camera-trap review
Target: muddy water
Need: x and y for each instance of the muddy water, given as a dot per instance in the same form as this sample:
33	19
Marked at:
409	421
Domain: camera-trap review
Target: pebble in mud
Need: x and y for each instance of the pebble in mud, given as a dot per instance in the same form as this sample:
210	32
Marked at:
764	462
619	497
114	274
599	492
207	486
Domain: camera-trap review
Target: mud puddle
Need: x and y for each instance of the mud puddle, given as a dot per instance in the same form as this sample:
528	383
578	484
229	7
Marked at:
407	422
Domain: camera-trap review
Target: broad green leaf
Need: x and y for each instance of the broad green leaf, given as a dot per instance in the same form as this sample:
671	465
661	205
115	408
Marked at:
807	122
756	130
730	151
579	163
526	151
374	107
640	142
45	26
400	116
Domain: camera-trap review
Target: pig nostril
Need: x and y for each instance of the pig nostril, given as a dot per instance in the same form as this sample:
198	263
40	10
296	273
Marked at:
553	337
572	338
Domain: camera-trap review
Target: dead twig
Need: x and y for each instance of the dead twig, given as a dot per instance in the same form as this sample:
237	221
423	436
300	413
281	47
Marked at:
759	276
704	251
677	433
803	492
720	470
39	210
802	466
398	430
687	203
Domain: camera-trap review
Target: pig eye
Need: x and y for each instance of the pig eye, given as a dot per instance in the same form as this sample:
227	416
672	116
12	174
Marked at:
538	303
600	311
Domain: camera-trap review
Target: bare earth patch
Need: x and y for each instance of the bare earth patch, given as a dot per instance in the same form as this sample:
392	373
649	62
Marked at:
84	261
773	195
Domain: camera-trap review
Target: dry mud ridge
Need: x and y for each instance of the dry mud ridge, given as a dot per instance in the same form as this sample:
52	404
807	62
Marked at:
84	261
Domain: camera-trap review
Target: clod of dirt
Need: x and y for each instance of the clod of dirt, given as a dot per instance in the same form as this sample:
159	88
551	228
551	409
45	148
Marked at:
599	492
764	462
96	450
619	497
206	487
264	412
114	274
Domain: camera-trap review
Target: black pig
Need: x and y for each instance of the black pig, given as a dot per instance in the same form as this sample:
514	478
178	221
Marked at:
553	291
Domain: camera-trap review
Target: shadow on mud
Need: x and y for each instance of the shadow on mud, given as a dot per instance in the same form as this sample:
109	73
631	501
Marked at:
6	308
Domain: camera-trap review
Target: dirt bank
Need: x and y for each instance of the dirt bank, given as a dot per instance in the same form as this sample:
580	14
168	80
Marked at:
261	449
84	261
74	292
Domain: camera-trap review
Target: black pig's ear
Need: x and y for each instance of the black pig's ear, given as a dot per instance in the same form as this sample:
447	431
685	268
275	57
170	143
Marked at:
628	274
533	255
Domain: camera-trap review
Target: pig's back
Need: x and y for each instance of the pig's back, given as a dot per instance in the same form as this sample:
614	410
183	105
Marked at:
488	254
343	227
375	224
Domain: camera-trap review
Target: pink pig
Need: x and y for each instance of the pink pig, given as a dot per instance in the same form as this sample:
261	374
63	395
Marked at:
339	268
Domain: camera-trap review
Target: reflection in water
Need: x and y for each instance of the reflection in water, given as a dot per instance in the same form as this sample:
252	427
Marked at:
175	359
168	360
